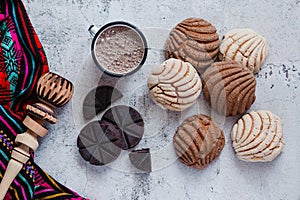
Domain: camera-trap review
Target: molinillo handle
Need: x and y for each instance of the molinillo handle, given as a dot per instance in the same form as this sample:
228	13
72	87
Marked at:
53	91
93	30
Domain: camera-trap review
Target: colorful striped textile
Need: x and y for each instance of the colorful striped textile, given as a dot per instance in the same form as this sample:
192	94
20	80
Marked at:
22	62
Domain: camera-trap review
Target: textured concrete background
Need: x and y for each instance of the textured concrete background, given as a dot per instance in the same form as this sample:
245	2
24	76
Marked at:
62	27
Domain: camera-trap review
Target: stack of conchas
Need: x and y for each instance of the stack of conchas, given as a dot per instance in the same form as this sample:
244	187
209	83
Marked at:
229	85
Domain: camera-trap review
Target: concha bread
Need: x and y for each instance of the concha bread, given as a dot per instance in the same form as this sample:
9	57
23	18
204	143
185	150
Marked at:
174	85
198	141
194	40
258	136
246	47
229	87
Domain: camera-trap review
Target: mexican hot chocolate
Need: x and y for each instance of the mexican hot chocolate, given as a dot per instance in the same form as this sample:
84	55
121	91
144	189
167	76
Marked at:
119	49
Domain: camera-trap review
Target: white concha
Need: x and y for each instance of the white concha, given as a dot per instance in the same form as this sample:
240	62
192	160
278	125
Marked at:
174	85
258	137
246	47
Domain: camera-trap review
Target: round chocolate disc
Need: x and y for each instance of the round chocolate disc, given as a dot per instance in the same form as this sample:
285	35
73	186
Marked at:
98	99
94	146
125	126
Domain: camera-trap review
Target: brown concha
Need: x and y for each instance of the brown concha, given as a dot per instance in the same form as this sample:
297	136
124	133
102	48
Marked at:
230	87
195	41
198	141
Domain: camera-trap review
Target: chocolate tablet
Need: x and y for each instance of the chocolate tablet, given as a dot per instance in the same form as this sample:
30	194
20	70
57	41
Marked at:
141	159
125	126
99	99
94	146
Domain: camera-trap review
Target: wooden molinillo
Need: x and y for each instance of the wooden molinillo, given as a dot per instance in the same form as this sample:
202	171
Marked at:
53	91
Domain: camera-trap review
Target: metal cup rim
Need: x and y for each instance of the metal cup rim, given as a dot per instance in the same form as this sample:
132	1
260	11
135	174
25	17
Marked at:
121	23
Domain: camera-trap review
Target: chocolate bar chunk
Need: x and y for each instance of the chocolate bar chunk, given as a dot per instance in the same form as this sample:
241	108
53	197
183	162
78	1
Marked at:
125	126
98	99
141	159
94	146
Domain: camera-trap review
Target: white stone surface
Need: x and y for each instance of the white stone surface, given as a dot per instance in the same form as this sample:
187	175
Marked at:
62	27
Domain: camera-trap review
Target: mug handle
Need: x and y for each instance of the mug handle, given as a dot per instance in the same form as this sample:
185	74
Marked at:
93	30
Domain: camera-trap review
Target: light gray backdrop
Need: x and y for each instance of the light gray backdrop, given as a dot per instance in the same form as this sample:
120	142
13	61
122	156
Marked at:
62	27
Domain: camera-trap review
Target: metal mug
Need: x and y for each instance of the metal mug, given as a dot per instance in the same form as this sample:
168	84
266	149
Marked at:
96	32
